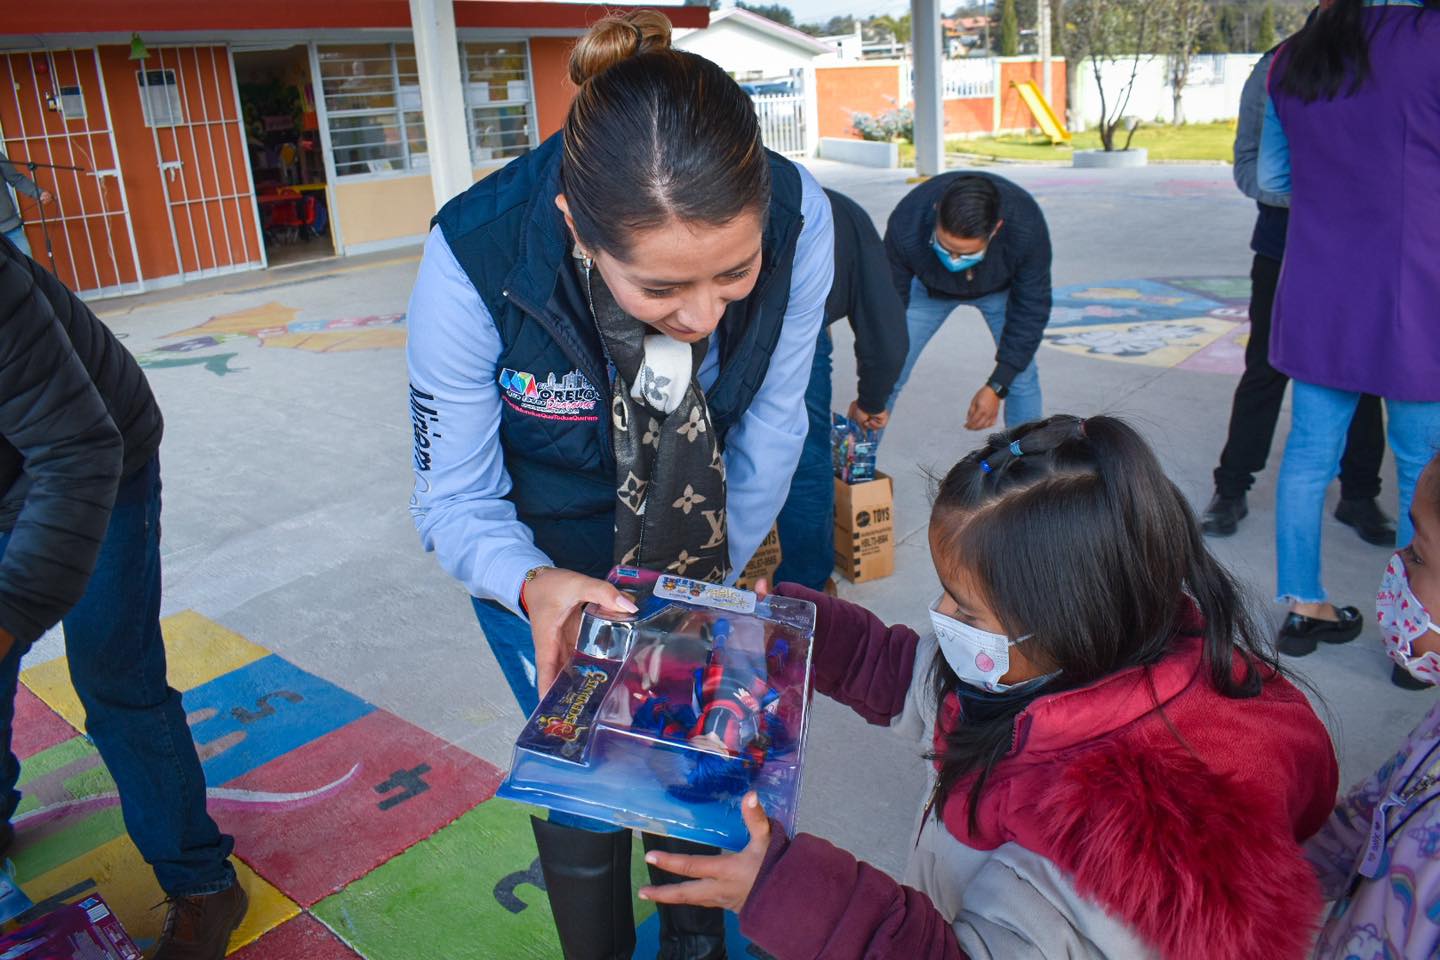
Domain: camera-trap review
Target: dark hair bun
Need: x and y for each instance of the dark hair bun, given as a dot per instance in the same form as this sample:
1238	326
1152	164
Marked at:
618	37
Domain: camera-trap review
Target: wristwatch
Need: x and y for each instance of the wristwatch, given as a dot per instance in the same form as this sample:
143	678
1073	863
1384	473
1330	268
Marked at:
998	389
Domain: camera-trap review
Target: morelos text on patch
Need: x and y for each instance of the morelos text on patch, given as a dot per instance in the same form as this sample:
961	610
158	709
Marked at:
572	397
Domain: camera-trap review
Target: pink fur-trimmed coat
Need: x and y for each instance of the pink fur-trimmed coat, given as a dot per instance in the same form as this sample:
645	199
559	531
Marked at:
1101	834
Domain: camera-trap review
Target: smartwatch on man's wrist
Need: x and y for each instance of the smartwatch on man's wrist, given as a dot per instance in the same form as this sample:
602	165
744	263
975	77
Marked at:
998	388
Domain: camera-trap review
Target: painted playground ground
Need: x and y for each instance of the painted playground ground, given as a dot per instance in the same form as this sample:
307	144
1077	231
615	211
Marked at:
356	833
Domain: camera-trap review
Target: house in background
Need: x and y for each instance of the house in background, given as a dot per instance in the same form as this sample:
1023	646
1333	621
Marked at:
775	63
185	140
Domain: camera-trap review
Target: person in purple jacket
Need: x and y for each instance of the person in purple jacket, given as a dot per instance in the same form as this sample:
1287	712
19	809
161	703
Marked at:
1353	135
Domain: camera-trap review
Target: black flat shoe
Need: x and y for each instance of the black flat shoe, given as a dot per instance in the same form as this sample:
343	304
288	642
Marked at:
1223	515
1368	520
1403	679
1299	636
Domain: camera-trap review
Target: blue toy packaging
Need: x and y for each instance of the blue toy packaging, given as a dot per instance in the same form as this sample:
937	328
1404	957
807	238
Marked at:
662	721
853	449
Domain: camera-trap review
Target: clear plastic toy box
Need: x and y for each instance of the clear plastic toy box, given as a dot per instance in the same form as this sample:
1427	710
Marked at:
662	721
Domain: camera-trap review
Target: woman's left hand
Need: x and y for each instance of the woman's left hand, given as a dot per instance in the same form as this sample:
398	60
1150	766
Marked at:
719	881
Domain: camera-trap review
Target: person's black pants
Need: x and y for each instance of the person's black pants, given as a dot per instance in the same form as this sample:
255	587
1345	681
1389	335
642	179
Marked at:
1256	408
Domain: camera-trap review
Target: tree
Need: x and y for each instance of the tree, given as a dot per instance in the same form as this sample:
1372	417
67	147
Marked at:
1181	24
897	29
1265	35
771	11
1009	30
1112	32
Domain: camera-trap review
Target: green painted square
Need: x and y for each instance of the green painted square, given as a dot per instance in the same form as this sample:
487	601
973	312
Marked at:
67	771
439	898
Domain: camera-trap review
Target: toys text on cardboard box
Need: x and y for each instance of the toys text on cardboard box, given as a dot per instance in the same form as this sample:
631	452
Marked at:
664	720
865	529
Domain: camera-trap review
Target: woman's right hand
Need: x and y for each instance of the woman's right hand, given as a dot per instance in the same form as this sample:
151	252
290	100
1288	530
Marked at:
555	599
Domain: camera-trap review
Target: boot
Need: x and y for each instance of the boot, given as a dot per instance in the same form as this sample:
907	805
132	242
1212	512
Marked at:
686	933
587	877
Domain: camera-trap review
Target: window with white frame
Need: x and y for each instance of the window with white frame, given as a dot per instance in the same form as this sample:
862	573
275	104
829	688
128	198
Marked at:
160	98
499	100
372	108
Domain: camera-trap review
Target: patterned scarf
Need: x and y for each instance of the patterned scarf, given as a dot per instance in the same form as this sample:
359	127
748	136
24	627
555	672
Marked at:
669	474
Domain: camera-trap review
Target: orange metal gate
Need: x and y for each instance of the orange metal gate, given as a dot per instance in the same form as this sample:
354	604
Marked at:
189	102
57	115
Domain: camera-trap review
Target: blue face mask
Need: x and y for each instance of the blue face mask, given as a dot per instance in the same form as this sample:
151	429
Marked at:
951	262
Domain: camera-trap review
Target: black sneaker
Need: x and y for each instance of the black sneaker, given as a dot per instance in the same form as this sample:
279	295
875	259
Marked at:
1403	679
1368	520
1223	515
1301	635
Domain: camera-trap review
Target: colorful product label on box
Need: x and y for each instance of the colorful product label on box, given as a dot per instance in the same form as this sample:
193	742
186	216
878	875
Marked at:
563	725
705	594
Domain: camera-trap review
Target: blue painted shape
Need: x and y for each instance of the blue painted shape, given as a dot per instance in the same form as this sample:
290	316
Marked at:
263	711
1082	304
647	939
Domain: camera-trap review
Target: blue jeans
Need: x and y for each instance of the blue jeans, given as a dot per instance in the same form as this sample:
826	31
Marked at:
807	521
17	237
117	665
513	646
1320	418
923	320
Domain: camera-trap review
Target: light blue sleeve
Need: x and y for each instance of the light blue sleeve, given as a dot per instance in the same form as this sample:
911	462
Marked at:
764	447
1273	169
460	479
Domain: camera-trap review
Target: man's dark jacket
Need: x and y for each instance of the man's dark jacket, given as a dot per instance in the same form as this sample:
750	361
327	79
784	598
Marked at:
1018	261
76	417
863	293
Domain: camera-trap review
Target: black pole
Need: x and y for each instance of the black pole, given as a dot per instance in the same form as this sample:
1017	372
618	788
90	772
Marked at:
32	166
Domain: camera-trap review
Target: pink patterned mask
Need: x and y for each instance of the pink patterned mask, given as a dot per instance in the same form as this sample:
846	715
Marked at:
1403	620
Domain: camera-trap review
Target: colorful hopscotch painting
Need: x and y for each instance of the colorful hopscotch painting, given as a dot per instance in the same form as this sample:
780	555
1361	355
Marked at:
357	834
1193	323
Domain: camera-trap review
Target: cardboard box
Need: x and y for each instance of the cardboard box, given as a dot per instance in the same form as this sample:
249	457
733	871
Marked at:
764	563
865	529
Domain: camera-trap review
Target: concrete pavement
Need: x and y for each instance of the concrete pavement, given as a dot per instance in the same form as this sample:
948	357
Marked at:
287	470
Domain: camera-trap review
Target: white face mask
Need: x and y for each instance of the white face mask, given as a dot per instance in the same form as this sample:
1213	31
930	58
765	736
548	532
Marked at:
1403	620
978	657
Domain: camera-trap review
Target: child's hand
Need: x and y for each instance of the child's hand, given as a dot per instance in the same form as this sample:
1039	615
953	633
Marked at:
720	881
762	588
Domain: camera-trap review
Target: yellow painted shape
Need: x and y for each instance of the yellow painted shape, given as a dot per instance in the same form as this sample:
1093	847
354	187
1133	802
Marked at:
249	321
1081	341
197	650
128	885
1040	109
340	341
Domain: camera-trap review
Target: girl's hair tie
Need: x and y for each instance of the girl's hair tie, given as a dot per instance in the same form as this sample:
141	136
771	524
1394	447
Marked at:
984	466
1015	449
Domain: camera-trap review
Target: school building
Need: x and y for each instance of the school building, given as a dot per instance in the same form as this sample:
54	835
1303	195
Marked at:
185	139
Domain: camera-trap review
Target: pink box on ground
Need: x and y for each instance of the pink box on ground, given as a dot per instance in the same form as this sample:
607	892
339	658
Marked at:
80	931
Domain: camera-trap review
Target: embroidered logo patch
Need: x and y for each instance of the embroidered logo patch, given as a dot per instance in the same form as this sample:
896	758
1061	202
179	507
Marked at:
572	397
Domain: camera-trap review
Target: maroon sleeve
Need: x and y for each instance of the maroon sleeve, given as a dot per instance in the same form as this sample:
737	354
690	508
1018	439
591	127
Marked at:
814	901
857	660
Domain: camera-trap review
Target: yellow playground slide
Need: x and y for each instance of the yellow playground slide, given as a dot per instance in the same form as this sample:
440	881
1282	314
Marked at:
1040	110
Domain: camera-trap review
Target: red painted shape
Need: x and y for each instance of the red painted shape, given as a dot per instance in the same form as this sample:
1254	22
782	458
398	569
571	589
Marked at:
313	848
303	938
36	726
550	68
107	16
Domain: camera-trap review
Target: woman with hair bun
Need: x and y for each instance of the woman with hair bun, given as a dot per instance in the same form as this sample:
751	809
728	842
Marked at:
610	341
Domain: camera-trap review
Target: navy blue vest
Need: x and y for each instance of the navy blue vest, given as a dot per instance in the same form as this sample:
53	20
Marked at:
511	239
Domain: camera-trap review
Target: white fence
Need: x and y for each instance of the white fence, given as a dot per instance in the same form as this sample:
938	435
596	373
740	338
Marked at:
782	122
1212	91
969	78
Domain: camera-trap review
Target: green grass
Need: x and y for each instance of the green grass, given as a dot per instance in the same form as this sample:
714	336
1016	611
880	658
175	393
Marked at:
1196	141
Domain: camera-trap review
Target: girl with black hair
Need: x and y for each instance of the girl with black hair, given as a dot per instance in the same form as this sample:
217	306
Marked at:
1122	770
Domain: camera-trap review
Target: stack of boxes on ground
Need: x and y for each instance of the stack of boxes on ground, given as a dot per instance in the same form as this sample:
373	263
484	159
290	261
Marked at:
864	504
